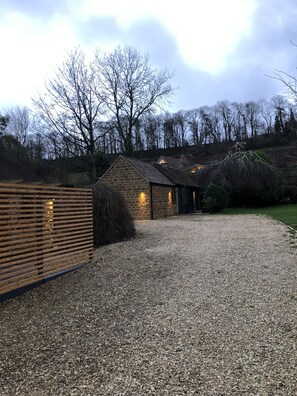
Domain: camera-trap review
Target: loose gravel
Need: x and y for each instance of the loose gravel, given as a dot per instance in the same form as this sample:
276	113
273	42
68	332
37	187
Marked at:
193	305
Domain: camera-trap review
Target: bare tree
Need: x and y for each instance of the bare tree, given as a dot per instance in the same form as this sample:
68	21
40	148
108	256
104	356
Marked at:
3	123
267	115
71	106
19	123
151	126
208	125
281	106
131	88
170	136
288	80
252	110
195	125
225	111
241	121
36	146
181	124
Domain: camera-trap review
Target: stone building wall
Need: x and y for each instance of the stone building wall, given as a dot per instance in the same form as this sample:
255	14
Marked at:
164	201
134	188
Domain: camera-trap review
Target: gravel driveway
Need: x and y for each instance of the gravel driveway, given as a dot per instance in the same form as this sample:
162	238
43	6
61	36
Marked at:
194	305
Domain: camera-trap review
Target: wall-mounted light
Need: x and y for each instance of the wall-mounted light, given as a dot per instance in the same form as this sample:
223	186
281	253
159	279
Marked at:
142	198
50	206
170	197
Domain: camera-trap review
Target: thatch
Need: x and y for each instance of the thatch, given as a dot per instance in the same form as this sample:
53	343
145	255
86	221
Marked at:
112	219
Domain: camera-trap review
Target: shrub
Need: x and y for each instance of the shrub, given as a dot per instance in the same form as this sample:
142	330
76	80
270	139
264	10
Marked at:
215	198
112	219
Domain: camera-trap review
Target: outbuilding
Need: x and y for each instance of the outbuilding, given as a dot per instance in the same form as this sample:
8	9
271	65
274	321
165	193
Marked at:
150	190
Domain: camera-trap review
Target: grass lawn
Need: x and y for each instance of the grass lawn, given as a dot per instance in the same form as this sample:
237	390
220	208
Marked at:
284	213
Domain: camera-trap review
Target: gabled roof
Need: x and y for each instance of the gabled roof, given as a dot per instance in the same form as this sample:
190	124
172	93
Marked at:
158	174
149	171
169	161
12	170
184	161
177	176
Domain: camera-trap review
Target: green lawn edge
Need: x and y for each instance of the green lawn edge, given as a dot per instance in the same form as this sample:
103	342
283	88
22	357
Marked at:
286	213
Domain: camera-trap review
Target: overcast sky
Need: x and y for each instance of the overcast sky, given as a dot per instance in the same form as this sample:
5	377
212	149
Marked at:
218	49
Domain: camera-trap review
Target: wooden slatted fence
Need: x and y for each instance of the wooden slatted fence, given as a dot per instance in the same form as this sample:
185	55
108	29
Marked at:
43	231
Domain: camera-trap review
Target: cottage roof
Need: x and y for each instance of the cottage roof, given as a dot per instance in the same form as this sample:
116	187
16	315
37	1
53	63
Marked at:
184	161
169	161
149	171
177	176
12	170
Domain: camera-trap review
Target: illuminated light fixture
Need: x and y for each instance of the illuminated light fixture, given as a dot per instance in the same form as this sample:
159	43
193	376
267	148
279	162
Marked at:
49	207
169	197
49	218
142	198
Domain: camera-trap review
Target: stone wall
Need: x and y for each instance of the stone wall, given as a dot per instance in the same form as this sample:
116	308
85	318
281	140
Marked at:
164	201
134	188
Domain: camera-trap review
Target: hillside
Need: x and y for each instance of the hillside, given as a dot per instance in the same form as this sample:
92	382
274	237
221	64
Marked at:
75	171
281	153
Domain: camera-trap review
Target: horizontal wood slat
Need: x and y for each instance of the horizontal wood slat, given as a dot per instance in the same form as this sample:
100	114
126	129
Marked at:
46	189
22	245
28	210
25	281
19	254
44	230
43	262
22	227
31	237
5	220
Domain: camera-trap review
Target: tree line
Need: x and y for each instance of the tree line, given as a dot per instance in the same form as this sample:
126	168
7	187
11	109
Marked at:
117	103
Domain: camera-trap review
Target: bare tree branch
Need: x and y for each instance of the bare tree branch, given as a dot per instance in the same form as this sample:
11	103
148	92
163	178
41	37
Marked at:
72	107
132	88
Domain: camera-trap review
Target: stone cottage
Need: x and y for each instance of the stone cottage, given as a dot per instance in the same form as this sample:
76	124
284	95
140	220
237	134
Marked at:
151	190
